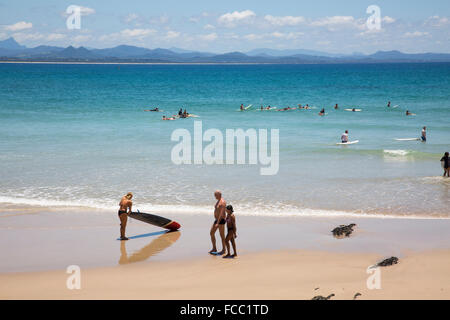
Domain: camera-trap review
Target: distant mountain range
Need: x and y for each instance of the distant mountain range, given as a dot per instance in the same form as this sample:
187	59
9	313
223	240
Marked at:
10	50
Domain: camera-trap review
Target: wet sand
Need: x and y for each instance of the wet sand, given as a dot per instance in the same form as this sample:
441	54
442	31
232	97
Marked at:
279	257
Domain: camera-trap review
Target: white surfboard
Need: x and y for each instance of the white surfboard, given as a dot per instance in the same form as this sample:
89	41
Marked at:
356	110
407	139
346	143
248	107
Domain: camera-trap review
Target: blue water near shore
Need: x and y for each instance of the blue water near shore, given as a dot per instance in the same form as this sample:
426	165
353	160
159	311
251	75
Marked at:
78	135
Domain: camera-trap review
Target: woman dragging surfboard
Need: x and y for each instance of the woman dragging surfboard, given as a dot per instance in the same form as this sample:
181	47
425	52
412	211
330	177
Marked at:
125	205
232	232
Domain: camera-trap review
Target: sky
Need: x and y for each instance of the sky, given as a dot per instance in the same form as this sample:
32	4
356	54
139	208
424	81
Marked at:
225	26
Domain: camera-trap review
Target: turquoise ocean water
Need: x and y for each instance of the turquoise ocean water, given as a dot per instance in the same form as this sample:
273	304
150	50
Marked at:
77	135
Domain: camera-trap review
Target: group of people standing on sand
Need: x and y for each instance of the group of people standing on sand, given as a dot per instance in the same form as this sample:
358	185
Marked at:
223	216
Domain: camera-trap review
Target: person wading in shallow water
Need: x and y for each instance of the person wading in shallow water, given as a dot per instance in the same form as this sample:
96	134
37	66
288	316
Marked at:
219	223
125	205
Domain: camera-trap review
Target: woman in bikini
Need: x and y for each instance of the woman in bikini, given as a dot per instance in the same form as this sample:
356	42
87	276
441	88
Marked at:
125	205
232	232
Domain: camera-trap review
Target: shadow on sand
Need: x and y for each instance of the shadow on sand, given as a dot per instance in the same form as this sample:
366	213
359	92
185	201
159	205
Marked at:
161	243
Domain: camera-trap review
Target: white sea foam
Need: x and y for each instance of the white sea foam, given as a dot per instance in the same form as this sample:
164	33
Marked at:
243	210
396	152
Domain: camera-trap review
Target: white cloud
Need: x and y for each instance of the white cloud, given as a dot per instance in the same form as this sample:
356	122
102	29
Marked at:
22	25
85	11
388	20
437	21
136	33
284	21
253	37
416	34
333	21
131	17
160	19
209	37
81	38
323	43
127	35
274	35
172	34
27	36
55	36
233	18
288	36
208	27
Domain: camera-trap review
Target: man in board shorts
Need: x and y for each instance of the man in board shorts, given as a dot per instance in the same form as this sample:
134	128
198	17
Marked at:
219	223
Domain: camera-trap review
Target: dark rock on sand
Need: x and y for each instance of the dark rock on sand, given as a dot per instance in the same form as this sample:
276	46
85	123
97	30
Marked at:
388	262
343	230
323	298
356	295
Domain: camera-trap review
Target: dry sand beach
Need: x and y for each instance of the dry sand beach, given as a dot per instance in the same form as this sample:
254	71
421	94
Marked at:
291	274
279	258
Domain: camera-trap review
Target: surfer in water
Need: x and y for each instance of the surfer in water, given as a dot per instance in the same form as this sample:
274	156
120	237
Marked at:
322	112
232	232
125	206
336	107
219	223
344	137
389	104
242	107
424	134
445	159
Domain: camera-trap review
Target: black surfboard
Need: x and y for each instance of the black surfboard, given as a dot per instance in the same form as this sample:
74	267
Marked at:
155	220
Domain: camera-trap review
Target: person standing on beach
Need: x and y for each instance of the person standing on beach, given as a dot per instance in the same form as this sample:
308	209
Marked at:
446	164
125	205
232	232
219	223
424	134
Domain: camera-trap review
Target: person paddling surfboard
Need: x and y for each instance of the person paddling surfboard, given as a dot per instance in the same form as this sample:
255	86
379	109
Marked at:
344	137
125	206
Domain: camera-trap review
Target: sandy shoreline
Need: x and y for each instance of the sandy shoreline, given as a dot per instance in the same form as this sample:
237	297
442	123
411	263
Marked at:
270	275
279	257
